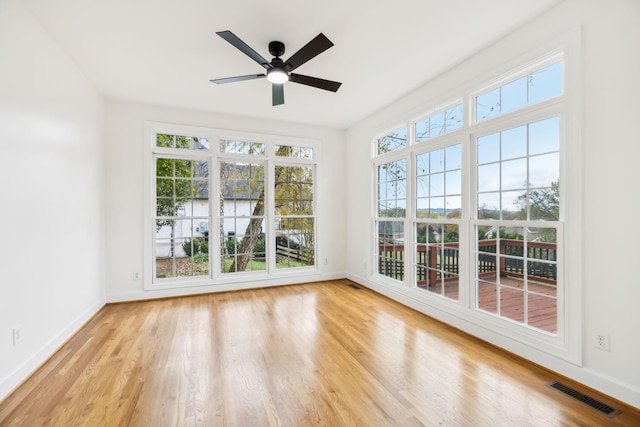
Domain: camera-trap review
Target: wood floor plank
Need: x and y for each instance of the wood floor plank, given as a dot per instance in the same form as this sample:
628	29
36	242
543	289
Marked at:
321	354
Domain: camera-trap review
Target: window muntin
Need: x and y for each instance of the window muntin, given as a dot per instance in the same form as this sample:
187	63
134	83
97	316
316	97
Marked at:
234	146
392	141
507	179
294	209
242	237
181	216
438	187
438	124
181	142
391	249
294	151
439	183
536	86
188	210
392	189
392	206
518	172
516	274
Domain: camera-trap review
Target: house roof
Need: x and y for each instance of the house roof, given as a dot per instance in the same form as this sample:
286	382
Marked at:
165	53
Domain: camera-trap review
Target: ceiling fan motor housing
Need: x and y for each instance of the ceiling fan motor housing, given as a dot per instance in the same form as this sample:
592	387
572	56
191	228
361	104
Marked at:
276	48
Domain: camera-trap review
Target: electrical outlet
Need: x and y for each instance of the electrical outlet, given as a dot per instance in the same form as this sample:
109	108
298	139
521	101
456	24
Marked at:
17	335
602	341
136	275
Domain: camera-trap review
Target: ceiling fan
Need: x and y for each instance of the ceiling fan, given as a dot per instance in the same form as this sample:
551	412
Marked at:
279	71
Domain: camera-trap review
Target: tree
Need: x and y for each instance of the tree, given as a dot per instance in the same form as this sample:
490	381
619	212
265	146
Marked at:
293	194
541	204
177	181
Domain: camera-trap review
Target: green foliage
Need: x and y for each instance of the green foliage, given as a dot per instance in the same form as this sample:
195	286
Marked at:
543	203
260	246
197	246
230	245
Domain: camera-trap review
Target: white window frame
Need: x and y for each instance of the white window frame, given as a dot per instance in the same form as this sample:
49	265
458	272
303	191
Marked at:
214	156
567	343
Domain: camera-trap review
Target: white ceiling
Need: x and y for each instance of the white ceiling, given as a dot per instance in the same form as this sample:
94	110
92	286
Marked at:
164	52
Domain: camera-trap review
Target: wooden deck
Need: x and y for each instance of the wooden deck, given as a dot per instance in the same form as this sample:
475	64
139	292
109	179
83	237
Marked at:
541	307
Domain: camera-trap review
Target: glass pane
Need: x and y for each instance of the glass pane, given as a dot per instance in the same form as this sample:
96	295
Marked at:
514	95
422	164
489	205
514	143
436	185
488	105
181	142
296	152
453	118
511	204
544	136
512	304
391	249
453	155
489	177
436	207
489	148
436	161
454	206
542	313
545	83
453	181
392	141
544	170
422	130
295	245
437	125
514	174
487	297
422	186
392	189
241	147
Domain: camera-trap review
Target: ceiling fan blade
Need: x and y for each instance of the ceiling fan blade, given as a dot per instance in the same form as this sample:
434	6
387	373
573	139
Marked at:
315	82
244	48
278	94
312	49
238	78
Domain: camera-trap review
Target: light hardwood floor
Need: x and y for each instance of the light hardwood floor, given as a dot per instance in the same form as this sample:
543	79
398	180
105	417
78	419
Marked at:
314	354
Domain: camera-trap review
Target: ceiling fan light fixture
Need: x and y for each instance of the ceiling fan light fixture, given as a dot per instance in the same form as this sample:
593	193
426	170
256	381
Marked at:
277	75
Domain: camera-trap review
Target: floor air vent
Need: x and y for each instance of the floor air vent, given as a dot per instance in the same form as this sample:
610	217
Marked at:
587	400
351	285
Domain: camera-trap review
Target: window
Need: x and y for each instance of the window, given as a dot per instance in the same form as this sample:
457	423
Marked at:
295	223
392	209
480	200
242	187
438	124
392	141
536	86
181	208
223	207
518	174
437	226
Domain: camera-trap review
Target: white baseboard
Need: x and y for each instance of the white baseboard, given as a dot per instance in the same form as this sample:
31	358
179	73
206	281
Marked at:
222	287
29	366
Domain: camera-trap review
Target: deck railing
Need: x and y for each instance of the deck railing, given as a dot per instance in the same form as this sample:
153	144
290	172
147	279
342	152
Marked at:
504	257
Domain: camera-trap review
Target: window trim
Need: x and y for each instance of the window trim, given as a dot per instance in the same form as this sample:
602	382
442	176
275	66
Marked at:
567	344
214	155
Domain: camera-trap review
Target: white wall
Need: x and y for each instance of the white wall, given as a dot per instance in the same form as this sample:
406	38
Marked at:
125	162
51	192
610	151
